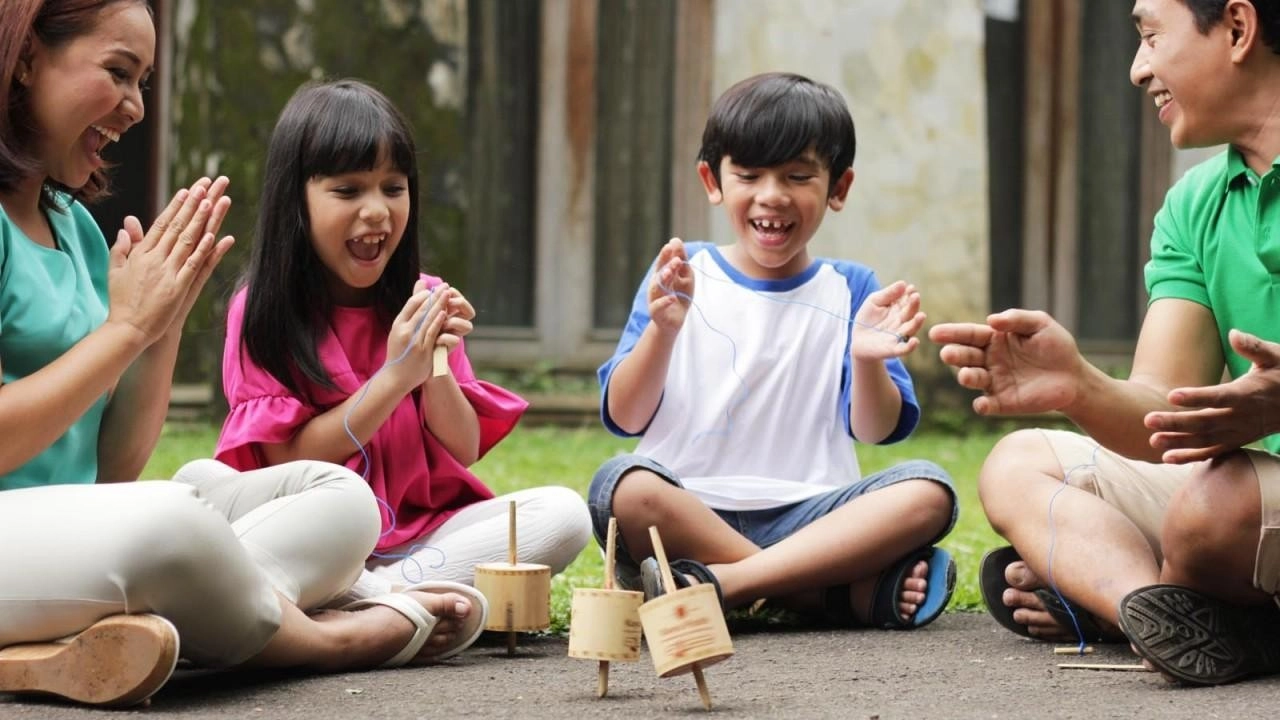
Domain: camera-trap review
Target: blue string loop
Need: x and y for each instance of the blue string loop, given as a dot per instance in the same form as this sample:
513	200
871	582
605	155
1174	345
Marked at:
1053	534
407	557
733	347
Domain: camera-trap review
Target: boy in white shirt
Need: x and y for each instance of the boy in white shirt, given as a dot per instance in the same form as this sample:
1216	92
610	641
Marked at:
747	407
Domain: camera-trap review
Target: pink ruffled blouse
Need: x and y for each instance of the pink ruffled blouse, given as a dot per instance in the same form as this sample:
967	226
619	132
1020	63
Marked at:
421	484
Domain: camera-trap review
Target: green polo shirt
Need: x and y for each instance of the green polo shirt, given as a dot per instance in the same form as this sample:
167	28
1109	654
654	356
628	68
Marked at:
1217	243
49	300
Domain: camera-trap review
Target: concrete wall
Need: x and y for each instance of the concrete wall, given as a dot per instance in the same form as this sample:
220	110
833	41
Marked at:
912	72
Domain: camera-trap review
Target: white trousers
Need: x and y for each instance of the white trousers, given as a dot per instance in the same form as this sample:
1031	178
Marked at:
552	527
209	551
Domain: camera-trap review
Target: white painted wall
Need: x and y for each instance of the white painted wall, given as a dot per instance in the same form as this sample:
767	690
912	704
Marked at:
912	72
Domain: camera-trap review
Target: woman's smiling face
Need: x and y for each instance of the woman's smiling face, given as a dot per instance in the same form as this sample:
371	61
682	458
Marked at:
86	93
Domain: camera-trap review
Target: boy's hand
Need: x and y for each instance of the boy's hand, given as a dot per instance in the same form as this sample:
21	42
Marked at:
1221	418
887	322
417	330
1023	361
670	287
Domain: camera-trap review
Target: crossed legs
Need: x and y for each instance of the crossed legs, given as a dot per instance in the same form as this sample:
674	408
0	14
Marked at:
851	545
1118	525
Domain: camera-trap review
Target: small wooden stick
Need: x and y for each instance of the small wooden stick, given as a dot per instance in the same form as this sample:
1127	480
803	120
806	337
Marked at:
1073	650
511	533
667	578
1103	666
703	692
611	548
440	361
670	582
511	558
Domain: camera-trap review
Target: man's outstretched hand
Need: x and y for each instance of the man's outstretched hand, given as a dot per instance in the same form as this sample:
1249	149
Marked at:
1221	418
1023	361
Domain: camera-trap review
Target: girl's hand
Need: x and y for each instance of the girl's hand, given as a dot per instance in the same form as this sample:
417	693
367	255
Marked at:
670	287
458	323
887	322
154	278
415	333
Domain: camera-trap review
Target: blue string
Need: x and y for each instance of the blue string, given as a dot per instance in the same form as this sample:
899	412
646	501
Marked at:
847	320
407	557
733	347
1053	536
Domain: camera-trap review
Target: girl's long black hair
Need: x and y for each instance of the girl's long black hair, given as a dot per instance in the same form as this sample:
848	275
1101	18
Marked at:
326	128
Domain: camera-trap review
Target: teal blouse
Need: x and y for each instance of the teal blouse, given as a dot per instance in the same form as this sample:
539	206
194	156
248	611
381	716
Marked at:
50	299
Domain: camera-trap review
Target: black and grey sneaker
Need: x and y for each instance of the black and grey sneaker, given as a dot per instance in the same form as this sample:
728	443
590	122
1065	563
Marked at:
681	570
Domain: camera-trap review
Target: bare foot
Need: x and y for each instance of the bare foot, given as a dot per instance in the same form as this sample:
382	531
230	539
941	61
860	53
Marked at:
911	596
371	635
451	609
915	588
1028	609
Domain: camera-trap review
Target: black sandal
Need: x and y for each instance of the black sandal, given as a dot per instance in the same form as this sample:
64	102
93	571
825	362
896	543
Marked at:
651	577
993	584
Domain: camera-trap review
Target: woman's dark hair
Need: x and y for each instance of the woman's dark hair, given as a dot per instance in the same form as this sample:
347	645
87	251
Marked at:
1209	13
326	129
771	119
54	23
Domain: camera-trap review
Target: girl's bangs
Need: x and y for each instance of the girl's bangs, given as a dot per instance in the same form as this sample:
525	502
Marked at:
353	134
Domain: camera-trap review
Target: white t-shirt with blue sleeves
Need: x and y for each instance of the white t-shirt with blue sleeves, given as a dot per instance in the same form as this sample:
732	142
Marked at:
755	410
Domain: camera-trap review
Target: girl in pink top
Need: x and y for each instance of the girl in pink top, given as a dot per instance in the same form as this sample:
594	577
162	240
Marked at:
329	352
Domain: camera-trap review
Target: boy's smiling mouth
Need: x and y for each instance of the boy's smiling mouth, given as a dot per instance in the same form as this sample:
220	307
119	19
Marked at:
771	232
772	227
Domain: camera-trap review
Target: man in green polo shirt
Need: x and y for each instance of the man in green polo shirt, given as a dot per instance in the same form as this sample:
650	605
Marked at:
1155	522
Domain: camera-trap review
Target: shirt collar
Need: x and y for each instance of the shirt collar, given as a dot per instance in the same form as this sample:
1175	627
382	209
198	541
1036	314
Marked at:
1238	171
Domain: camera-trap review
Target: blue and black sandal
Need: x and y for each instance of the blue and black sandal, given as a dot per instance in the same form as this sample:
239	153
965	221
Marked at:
884	598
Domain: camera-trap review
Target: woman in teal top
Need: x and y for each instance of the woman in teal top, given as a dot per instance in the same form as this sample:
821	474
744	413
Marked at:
215	566
50	299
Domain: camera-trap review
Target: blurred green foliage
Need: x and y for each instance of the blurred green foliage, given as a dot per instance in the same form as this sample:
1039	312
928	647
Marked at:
236	63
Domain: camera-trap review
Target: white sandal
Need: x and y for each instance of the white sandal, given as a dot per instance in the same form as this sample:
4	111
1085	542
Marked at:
424	622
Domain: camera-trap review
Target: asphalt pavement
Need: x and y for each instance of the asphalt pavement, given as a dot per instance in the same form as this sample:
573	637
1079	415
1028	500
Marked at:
962	666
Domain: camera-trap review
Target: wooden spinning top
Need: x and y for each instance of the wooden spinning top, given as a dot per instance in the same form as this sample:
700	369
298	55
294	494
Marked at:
605	624
685	627
519	594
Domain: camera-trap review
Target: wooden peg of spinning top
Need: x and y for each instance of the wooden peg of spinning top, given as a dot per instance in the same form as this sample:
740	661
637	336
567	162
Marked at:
685	627
519	594
605	624
439	361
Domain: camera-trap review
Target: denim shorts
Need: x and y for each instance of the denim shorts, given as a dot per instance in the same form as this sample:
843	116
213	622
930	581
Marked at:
762	527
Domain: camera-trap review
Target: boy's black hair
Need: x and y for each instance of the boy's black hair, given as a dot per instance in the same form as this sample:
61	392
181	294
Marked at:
326	129
770	119
1209	13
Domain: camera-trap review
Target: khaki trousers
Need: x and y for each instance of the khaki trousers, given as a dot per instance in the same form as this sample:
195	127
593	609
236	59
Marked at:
1142	491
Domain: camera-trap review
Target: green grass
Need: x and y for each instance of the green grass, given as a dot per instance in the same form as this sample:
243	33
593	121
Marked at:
558	456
